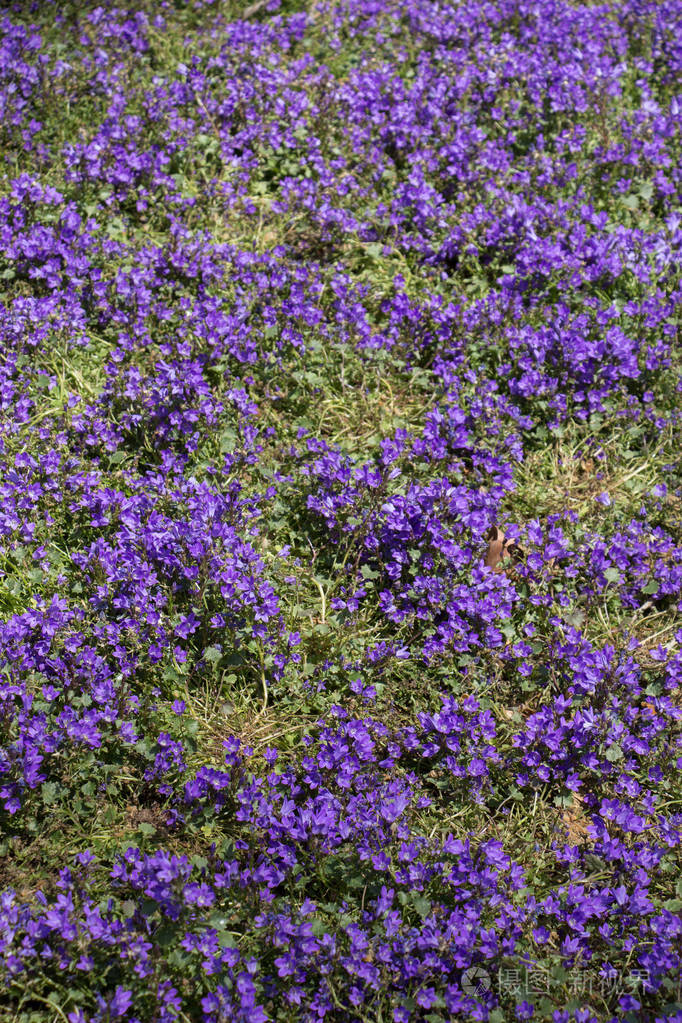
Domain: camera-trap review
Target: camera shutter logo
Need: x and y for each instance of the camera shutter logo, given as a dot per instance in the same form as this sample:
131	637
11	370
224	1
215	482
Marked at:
475	981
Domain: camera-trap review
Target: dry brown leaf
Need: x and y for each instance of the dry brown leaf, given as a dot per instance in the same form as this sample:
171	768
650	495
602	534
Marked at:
576	821
495	547
501	549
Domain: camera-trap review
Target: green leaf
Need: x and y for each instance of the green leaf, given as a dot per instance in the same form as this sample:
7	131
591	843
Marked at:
368	573
49	792
422	905
165	935
614	753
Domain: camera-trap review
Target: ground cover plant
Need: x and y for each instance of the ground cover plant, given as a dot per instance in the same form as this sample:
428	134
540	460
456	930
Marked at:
340	534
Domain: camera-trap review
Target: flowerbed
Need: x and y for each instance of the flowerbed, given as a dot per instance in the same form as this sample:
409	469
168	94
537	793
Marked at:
340	537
